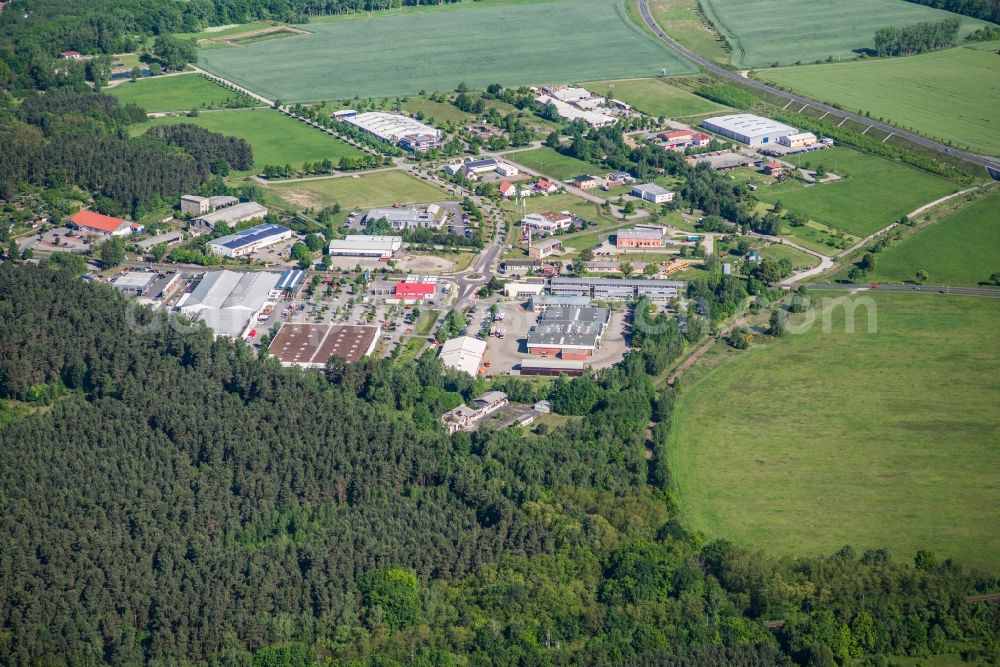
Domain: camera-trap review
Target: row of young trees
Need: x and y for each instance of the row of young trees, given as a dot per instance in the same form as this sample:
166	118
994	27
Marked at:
917	38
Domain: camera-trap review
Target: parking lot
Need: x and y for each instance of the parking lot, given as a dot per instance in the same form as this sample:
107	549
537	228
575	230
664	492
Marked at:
57	240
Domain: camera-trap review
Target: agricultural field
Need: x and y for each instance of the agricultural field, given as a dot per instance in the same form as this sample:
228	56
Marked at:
948	95
873	193
382	188
961	249
655	97
681	20
511	44
172	93
554	164
276	138
791	31
793	447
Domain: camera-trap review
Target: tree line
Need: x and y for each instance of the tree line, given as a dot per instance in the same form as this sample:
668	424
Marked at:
917	38
987	10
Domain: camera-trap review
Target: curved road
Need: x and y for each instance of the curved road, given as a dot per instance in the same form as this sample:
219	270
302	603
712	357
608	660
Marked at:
991	164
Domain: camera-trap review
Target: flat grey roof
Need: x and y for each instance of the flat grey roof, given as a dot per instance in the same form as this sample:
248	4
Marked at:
574	313
639	234
631	282
651	188
747	124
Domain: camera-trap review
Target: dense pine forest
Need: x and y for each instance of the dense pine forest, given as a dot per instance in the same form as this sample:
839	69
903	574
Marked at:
172	499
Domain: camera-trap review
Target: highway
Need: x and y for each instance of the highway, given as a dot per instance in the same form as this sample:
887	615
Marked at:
993	292
992	165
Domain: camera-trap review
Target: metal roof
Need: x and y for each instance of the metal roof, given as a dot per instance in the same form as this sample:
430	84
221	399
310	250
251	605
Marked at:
747	124
244	211
248	236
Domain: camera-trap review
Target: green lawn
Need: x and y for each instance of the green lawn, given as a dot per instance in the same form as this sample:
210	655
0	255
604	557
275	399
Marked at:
362	191
276	138
479	43
949	95
555	165
874	193
172	93
440	111
655	97
961	249
799	259
788	31
824	439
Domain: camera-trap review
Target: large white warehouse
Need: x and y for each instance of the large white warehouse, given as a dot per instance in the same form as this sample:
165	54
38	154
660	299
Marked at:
748	128
398	129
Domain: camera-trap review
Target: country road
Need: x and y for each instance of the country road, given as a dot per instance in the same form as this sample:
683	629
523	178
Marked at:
990	164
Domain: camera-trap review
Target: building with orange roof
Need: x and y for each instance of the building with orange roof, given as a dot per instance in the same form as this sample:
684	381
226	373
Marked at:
91	222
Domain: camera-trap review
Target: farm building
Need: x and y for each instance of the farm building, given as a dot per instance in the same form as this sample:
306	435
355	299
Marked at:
248	241
569	332
638	238
230	215
90	222
134	283
197	205
546	221
800	140
748	128
464	354
549	367
312	345
542	249
368	247
229	301
653	193
615	289
398	129
407	217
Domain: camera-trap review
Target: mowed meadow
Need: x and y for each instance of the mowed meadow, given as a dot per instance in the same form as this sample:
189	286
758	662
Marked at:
181	92
480	43
951	95
820	439
763	32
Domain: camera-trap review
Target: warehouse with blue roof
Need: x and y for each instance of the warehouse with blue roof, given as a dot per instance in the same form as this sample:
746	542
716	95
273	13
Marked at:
249	240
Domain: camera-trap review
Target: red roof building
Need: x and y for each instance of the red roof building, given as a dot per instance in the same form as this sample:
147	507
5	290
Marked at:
96	223
70	55
507	189
415	291
2	5
773	167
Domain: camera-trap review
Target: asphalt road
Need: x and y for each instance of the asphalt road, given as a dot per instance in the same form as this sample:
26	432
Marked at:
991	164
934	289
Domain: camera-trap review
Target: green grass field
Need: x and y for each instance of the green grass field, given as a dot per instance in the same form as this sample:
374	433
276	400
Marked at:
824	439
511	44
875	192
799	259
655	97
787	31
681	20
172	93
362	191
439	111
555	165
961	249
948	95
276	138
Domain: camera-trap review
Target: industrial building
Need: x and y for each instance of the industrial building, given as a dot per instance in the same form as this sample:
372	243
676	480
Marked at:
409	291
464	418
748	128
90	222
230	215
569	332
652	193
248	241
134	283
542	249
398	129
678	140
197	205
407	217
549	367
639	238
800	140
464	354
615	289
312	345
230	301
574	103
547	221
366	247
167	238
541	302
517	289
